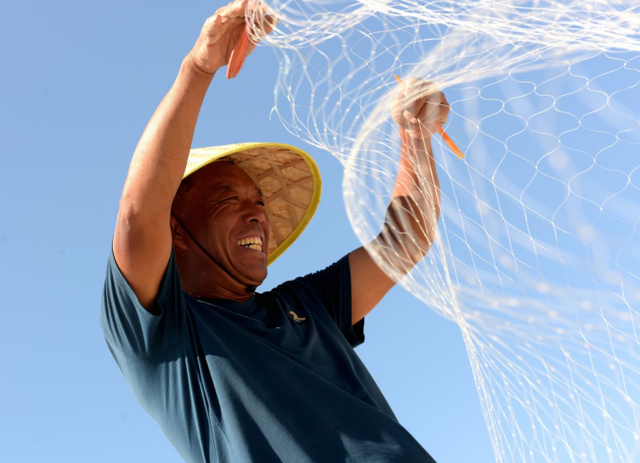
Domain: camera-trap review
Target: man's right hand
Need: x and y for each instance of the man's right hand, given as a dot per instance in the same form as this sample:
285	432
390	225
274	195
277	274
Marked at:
221	32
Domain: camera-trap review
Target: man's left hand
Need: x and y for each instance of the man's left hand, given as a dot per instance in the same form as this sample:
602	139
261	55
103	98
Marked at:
417	106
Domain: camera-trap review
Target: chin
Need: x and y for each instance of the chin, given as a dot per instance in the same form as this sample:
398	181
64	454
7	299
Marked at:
256	279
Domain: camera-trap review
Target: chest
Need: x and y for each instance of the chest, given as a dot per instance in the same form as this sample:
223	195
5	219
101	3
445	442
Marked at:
273	331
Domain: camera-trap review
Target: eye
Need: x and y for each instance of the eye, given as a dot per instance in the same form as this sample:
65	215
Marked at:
261	203
233	198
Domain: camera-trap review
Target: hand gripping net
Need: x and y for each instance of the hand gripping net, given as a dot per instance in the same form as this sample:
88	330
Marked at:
537	253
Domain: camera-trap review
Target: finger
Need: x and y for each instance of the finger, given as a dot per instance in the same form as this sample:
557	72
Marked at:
213	25
419	108
264	25
260	30
434	107
229	15
410	110
422	124
416	94
398	107
419	88
422	115
397	116
437	113
235	9
409	116
411	107
257	10
239	11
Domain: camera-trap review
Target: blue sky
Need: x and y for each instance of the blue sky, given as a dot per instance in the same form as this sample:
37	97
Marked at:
79	84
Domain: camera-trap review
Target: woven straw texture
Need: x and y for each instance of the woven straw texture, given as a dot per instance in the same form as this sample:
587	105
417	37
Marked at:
288	177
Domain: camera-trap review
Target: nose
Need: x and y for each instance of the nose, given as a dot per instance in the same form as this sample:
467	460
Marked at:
254	212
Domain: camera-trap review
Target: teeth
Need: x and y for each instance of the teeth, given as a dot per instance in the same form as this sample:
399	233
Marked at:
253	242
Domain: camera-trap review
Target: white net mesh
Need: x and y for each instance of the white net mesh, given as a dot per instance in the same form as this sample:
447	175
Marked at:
537	251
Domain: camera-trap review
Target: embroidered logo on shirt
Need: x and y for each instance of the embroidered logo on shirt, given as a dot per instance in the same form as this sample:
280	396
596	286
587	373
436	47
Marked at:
295	317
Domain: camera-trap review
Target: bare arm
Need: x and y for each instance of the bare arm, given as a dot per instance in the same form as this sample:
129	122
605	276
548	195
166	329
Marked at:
412	215
142	239
160	158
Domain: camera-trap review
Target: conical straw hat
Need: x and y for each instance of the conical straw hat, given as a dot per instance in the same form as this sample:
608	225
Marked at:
288	177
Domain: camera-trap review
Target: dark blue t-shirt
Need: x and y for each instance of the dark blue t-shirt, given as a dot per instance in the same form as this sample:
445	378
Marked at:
227	387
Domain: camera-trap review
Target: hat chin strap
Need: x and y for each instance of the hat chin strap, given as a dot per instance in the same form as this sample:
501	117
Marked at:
201	248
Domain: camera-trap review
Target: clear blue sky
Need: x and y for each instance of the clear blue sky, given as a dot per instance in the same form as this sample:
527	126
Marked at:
80	81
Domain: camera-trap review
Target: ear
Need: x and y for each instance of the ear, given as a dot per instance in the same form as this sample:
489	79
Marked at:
177	236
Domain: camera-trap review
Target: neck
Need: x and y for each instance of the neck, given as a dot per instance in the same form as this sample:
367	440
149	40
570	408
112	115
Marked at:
203	283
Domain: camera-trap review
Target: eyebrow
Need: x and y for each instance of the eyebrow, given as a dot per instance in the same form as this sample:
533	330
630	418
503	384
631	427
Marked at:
234	186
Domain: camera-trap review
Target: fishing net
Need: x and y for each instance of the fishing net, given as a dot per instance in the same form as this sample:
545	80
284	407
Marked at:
537	250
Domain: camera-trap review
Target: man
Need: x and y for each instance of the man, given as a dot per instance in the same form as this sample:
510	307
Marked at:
232	375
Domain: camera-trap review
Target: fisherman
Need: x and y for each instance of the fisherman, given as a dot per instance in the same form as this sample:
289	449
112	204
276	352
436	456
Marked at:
230	374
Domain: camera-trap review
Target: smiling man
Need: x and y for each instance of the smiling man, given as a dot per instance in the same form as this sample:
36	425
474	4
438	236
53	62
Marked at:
230	216
230	374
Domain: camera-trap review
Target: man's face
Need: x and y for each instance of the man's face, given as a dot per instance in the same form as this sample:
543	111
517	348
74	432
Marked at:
231	223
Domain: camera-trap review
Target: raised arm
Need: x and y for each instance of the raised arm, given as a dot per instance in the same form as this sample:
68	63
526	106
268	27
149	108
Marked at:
412	215
142	239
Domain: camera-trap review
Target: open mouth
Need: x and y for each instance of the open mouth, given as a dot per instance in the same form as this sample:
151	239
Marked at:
251	242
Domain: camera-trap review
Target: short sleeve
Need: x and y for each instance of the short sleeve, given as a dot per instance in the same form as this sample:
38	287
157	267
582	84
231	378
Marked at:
128	327
332	285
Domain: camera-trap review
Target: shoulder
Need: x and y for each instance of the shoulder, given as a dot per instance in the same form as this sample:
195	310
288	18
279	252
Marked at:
335	274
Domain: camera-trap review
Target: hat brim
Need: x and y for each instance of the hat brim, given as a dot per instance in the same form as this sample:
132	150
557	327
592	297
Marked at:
288	177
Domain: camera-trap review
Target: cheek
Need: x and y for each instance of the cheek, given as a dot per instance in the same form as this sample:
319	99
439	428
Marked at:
217	217
219	227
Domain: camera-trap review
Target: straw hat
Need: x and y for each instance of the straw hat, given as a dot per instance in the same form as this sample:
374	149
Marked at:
288	177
